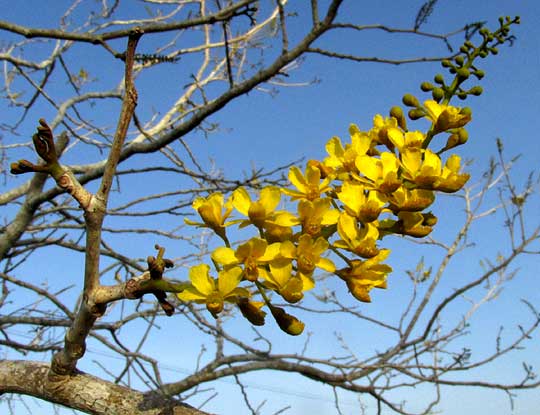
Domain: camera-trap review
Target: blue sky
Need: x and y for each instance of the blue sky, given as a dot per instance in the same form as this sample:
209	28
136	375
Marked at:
264	130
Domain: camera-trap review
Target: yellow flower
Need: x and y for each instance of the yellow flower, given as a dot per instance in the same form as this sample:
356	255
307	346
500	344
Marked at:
309	185
414	223
262	211
365	205
381	173
314	215
422	167
341	159
362	276
403	140
445	117
211	210
361	241
308	254
451	180
207	290
281	280
253	255
379	132
413	200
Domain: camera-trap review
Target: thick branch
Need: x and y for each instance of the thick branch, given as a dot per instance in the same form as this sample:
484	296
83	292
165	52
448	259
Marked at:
84	392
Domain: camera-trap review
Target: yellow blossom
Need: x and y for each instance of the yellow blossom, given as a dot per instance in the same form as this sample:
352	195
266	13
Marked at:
362	276
309	186
361	241
422	167
314	215
451	179
207	290
281	279
341	159
308	254
253	255
379	132
413	200
413	224
403	140
445	117
263	210
365	205
381	173
214	212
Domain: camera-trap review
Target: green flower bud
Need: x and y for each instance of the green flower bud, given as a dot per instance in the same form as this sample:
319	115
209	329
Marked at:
484	31
462	95
451	142
397	113
426	86
463	73
494	50
416	113
459	60
476	90
437	94
463	49
479	74
410	100
483	54
439	78
446	63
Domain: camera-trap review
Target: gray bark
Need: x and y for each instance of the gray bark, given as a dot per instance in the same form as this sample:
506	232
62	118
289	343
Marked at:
84	392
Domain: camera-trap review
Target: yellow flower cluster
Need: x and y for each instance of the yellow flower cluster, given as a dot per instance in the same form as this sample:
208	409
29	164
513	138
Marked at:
379	183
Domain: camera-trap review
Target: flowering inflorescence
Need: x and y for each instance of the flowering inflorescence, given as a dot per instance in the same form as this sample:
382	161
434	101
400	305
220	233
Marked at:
380	182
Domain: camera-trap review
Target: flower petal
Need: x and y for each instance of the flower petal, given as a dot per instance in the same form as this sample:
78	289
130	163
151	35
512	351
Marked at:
201	280
228	280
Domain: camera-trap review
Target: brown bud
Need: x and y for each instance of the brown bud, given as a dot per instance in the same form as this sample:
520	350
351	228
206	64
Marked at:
286	322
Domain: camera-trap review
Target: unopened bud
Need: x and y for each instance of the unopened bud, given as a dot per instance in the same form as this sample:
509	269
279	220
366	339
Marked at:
437	94
452	141
463	136
251	312
426	86
439	78
286	322
459	60
410	100
416	113
446	63
397	113
479	74
476	90
21	166
463	73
